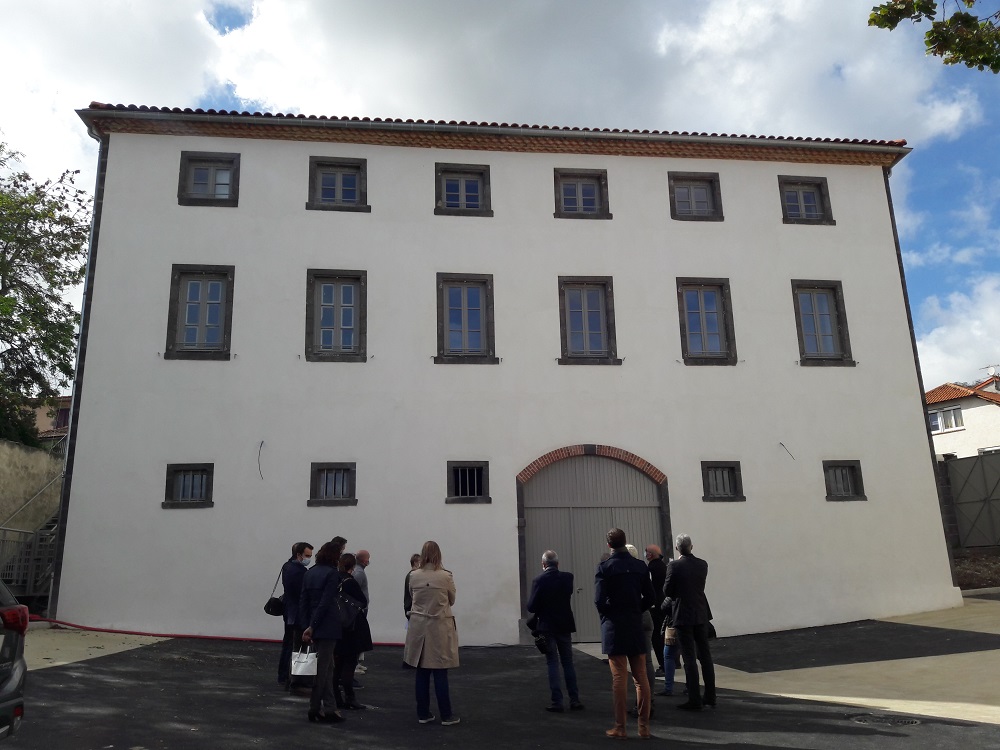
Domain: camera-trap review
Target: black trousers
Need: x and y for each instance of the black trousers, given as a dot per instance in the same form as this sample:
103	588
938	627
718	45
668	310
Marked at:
658	616
344	665
694	645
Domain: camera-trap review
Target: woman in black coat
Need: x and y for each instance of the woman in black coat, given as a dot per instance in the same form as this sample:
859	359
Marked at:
352	642
318	610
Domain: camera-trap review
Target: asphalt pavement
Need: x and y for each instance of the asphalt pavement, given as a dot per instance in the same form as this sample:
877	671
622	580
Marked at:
927	681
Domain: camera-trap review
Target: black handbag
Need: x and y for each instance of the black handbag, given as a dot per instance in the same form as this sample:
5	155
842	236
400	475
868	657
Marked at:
276	604
348	609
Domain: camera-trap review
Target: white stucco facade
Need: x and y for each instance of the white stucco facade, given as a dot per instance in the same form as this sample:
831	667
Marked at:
980	430
786	557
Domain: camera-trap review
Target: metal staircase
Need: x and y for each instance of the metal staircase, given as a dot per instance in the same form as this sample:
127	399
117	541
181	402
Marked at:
28	561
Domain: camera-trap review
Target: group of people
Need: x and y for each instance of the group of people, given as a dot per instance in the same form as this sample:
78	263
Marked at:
660	605
313	587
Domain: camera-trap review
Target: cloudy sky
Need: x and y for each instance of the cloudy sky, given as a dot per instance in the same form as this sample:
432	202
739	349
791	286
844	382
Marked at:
769	67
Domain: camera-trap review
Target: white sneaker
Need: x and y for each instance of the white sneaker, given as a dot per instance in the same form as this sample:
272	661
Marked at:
449	722
360	669
428	720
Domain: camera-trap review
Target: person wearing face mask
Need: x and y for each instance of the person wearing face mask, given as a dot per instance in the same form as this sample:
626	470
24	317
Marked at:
292	574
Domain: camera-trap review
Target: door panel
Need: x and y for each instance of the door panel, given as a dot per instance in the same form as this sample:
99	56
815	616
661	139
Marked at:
569	507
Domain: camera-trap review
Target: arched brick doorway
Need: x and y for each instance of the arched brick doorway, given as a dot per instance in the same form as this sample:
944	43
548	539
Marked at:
567	500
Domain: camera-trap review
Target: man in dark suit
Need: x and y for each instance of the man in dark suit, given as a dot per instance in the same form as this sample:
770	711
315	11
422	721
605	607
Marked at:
622	593
550	600
685	585
658	574
292	573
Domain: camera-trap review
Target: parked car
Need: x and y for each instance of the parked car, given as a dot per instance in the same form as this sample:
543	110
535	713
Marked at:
13	669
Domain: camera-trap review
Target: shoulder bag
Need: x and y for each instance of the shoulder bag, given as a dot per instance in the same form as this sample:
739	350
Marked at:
348	609
276	604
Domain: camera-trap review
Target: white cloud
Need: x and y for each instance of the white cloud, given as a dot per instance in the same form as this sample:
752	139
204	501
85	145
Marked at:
963	333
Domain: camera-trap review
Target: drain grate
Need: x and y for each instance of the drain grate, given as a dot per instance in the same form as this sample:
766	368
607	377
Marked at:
882	720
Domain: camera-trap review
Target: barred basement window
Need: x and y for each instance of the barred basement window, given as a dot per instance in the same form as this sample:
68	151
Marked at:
189	486
333	484
843	480
722	481
468	482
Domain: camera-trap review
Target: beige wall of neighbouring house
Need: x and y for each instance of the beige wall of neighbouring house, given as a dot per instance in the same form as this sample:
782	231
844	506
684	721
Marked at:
23	472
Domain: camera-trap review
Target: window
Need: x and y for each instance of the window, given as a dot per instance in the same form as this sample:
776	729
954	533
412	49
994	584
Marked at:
695	196
465	319
336	316
462	190
189	486
805	200
338	184
945	419
333	484
587	321
201	312
582	194
821	322
468	482
843	480
208	179
706	317
722	481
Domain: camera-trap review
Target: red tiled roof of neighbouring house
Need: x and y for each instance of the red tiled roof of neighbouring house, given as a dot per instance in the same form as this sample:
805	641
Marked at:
952	391
104	118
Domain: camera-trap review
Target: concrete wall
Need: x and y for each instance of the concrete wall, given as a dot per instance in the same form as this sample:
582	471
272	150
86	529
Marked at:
23	472
784	558
981	429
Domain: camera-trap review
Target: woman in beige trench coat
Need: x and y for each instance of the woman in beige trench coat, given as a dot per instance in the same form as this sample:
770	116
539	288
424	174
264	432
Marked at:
432	638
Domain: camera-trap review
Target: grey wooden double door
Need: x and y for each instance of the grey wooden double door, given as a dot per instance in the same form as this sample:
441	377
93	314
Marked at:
569	507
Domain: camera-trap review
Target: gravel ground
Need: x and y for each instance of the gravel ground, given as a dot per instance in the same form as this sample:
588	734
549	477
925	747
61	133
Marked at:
977	568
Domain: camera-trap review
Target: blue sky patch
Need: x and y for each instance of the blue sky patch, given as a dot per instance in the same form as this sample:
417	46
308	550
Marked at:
225	18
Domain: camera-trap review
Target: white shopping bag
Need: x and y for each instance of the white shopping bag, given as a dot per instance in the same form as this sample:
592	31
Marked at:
304	663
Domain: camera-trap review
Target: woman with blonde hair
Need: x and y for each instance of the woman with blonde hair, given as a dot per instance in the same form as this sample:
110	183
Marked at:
432	638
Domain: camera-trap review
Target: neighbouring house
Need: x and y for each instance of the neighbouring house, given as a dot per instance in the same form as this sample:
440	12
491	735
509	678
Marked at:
53	423
502	337
965	420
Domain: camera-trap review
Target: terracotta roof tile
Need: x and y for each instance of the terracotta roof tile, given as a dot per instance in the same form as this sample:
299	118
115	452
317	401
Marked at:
952	391
110	118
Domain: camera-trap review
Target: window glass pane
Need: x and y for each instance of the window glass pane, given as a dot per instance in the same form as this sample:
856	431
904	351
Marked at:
691	300
190	336
596	342
594	321
194	291
576	342
475	341
327	294
594	299
575	320
213	314
347	339
193	312
694	322
455	319
199	178
805	302
455	341
347	317
326	317
822	302
711	300
574	299
215	291
958	417
454	296
347	294
326	338
569	197
695	342
349	181
473	296
714	342
475	320
212	336
711	323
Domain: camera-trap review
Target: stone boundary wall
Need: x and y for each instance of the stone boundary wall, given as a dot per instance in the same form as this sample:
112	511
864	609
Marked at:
23	472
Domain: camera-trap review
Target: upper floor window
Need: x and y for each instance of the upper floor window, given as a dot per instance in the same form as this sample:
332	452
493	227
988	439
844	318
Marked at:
208	179
462	190
843	480
706	318
200	313
805	200
945	419
582	194
587	321
695	196
336	315
338	184
821	322
189	486
465	319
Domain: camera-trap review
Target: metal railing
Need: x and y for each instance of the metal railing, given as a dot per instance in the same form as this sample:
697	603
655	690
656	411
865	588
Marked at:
27	560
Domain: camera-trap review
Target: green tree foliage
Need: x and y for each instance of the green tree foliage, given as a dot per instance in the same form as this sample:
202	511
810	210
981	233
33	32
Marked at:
44	231
960	37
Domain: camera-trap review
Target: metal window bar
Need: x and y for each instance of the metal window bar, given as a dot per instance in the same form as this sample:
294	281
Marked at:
468	481
721	481
334	483
191	485
841	479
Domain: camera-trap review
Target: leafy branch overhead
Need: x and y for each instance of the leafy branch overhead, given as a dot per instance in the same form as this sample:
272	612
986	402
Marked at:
961	37
44	231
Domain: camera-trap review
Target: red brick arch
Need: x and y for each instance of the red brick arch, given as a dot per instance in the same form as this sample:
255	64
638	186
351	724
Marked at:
606	451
